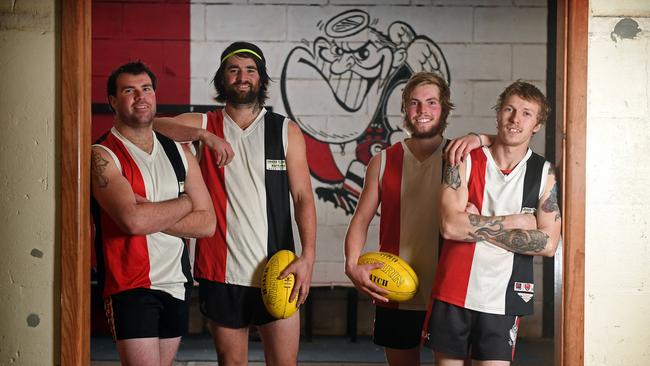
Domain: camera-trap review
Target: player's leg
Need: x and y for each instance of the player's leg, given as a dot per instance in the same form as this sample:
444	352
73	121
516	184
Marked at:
174	320
134	316
231	344
280	339
167	350
402	357
490	363
399	332
495	339
449	330
229	317
139	351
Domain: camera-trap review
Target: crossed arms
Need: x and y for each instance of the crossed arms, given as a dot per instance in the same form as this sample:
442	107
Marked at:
189	215
520	233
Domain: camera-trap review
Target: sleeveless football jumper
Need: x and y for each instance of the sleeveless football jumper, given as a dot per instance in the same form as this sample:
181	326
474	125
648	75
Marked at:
251	200
155	261
409	219
481	276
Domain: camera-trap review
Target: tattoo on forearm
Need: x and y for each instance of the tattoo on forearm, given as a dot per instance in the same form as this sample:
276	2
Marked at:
521	241
452	177
99	164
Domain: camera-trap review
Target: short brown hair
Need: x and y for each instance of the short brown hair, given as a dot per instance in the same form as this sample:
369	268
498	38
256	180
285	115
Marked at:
428	78
528	92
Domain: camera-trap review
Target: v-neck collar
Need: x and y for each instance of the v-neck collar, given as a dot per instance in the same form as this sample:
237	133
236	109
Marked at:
428	159
514	170
250	128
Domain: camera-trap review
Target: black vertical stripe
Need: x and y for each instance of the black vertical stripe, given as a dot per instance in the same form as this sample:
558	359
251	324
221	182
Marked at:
522	269
278	211
174	158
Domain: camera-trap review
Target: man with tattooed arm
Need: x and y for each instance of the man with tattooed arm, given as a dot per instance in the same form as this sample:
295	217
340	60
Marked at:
498	209
148	194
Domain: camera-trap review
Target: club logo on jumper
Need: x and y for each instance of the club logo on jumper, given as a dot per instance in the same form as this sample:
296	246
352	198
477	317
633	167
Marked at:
525	290
524	287
358	70
276	164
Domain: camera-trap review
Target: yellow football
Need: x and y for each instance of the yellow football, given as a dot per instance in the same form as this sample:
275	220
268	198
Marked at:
396	276
275	292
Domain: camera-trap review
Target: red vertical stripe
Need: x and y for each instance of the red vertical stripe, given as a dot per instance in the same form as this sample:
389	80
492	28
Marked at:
391	192
126	257
455	264
211	253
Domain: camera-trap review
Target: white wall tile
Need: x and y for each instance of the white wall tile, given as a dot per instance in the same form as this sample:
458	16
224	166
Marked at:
510	25
529	62
234	22
197	22
479	61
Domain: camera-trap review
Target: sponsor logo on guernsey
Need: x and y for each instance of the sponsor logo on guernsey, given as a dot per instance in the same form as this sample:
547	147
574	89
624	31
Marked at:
528	210
276	164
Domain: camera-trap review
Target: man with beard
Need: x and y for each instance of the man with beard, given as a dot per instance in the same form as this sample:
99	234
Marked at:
404	179
251	194
499	208
147	194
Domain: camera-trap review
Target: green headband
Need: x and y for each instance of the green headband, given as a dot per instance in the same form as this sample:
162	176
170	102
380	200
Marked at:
240	51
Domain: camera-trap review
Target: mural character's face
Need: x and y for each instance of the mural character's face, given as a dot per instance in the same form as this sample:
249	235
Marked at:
350	70
423	111
242	80
517	121
135	100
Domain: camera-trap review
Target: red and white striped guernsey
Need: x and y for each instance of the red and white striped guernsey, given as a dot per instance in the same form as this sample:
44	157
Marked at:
409	220
481	276
156	261
250	197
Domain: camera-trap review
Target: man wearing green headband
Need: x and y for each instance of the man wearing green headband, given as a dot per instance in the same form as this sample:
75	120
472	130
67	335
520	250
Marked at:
252	178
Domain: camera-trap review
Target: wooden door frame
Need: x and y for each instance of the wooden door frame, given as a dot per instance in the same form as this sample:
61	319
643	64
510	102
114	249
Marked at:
75	181
572	38
571	103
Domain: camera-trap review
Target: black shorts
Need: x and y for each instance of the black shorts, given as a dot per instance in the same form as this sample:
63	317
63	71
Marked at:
458	332
146	313
399	329
233	306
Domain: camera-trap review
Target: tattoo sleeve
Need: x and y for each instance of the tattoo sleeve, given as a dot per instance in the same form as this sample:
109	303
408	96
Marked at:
452	177
521	241
98	166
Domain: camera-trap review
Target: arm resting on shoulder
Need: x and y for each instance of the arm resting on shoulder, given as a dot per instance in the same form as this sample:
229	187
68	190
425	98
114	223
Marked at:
188	127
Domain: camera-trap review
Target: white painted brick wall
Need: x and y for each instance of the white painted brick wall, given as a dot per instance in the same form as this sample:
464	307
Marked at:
472	61
617	296
510	25
529	62
249	23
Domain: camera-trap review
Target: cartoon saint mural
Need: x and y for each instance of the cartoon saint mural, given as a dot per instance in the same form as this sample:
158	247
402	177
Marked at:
363	70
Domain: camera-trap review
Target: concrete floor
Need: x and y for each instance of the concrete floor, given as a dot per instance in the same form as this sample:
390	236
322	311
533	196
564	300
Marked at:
197	350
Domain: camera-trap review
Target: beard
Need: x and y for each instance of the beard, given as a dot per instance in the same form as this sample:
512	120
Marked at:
235	97
417	134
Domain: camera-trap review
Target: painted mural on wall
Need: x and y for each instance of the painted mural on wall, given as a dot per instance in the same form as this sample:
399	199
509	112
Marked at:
360	71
